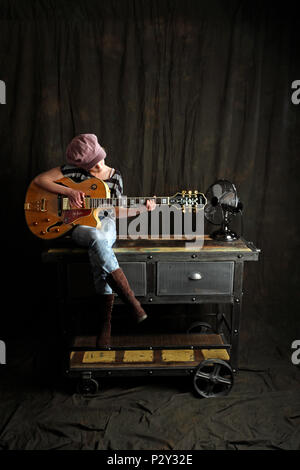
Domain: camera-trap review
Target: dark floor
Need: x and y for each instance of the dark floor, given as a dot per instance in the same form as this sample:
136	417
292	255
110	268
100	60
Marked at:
39	409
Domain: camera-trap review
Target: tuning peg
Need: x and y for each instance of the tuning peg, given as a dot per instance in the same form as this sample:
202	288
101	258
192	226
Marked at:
183	192
190	193
183	209
195	191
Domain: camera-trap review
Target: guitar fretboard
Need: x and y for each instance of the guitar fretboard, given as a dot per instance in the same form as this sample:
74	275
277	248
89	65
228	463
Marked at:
126	202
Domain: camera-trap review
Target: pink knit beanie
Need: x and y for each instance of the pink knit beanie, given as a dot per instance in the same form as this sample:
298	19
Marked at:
85	151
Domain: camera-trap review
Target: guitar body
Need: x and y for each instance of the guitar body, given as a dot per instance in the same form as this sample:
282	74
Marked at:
45	212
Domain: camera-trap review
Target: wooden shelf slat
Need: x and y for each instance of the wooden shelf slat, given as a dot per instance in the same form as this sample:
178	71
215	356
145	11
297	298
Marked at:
155	341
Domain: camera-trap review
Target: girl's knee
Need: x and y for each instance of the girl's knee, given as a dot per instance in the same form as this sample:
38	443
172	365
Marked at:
92	237
99	238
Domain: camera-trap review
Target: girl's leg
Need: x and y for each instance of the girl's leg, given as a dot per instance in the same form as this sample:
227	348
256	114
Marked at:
103	261
102	258
106	270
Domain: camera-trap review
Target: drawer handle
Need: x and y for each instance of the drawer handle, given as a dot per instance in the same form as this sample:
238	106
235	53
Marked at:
195	276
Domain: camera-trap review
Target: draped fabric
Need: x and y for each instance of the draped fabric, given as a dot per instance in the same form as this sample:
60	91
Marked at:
180	93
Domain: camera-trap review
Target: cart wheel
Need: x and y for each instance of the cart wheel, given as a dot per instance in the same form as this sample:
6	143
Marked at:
213	378
87	387
199	327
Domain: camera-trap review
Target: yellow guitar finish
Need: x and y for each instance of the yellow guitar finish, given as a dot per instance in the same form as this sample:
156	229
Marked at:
43	209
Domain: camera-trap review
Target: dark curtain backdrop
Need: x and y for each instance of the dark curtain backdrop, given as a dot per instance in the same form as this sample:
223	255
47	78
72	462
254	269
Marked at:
180	93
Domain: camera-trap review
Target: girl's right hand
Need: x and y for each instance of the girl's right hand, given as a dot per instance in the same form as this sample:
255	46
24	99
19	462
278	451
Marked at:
76	198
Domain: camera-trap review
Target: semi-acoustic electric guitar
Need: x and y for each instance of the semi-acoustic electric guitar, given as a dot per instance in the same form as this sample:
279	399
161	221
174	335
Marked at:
49	215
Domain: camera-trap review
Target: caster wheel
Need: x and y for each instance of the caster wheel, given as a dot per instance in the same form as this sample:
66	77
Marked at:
87	387
213	378
199	327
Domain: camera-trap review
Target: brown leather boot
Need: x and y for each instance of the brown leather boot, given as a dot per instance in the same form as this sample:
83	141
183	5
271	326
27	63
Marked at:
119	283
106	302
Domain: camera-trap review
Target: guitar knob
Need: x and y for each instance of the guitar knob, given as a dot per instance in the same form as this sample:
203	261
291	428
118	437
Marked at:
47	220
35	223
57	230
42	232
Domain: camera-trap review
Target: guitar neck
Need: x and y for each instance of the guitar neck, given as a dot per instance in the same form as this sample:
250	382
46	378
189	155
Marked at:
126	202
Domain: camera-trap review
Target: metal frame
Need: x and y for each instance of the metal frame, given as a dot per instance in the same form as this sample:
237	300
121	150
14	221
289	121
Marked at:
234	299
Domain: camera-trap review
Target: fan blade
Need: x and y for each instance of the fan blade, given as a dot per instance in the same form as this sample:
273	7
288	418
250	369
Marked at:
228	198
214	214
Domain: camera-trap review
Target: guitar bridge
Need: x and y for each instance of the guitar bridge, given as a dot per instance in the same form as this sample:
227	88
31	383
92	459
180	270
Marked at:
37	206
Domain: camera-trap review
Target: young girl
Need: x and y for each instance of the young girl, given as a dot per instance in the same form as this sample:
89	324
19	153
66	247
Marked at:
86	159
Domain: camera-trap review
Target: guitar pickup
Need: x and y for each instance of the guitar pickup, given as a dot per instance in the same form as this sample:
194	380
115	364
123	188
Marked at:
65	204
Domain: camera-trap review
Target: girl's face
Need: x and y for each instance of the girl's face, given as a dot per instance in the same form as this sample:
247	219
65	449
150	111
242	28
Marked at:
99	166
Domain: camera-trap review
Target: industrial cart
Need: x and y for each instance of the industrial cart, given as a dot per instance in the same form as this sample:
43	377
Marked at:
163	272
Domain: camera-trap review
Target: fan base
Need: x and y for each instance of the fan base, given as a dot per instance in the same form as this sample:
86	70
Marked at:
224	235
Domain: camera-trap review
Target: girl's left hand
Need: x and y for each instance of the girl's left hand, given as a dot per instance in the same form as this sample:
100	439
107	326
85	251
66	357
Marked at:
151	204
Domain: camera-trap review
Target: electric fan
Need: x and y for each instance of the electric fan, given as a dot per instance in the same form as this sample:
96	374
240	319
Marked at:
222	204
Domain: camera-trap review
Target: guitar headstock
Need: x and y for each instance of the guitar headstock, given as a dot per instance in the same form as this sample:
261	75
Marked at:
189	200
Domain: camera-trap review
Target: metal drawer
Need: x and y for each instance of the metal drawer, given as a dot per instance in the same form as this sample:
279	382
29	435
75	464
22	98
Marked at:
185	278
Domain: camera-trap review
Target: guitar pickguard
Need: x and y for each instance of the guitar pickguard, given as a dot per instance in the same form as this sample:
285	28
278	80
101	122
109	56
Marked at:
71	215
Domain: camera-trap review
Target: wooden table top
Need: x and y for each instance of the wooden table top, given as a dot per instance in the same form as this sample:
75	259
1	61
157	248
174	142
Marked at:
203	243
162	245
